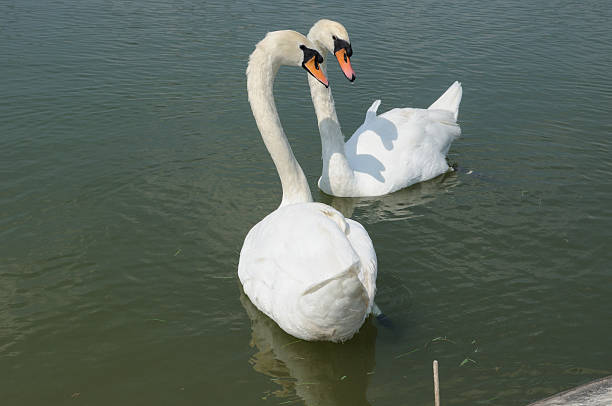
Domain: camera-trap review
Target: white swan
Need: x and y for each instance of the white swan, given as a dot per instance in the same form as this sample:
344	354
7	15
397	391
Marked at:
388	152
304	265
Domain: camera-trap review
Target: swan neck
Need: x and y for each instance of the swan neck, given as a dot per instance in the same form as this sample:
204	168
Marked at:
261	72
332	139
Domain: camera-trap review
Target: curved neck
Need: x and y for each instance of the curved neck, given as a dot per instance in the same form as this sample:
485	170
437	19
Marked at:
261	71
332	140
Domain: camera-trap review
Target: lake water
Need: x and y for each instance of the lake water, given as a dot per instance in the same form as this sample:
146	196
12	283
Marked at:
131	170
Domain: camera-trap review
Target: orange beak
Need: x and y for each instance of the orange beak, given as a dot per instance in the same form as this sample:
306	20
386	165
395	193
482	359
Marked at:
345	64
314	69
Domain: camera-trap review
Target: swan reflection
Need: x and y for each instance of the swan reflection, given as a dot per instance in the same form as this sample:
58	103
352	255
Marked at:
396	206
320	373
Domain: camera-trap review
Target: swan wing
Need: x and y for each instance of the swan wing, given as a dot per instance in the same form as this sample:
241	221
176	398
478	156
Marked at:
399	148
411	125
362	244
298	266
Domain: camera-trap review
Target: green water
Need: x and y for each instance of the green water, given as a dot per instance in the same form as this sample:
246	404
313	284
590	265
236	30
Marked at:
131	170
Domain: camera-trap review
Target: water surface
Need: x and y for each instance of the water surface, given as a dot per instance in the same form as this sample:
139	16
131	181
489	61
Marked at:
131	170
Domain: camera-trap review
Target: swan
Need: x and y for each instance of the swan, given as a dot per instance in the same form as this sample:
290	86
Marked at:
305	265
388	152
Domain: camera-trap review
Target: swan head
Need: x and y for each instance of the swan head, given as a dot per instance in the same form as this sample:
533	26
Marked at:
293	49
331	36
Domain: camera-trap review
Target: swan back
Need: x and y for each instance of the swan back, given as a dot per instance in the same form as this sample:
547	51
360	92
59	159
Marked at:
311	270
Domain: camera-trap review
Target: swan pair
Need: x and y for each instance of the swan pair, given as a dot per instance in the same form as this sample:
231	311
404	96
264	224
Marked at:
305	265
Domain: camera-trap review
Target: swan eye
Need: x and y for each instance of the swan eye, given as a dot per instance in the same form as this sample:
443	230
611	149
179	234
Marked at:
312	54
342	44
343	53
311	62
334	37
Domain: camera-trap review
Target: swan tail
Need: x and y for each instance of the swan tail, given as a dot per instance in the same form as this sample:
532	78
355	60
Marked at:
335	308
371	113
450	100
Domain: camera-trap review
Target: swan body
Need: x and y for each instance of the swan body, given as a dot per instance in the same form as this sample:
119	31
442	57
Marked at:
304	265
388	152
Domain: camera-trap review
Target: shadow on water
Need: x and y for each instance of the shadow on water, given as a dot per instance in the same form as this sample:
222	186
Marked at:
320	373
395	206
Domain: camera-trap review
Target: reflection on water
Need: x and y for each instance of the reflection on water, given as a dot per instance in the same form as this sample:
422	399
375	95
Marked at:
320	373
395	206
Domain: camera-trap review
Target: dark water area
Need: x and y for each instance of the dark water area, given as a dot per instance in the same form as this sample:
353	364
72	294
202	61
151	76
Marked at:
131	170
